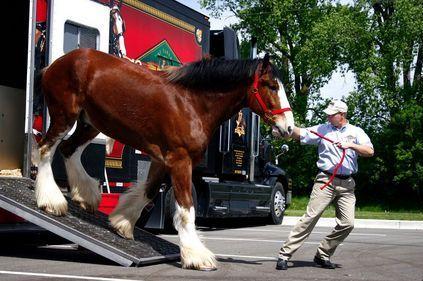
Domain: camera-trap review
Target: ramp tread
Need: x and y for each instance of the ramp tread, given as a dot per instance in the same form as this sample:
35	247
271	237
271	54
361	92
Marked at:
145	248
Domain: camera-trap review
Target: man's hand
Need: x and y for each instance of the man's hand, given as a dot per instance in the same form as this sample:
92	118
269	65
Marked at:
296	133
344	144
362	150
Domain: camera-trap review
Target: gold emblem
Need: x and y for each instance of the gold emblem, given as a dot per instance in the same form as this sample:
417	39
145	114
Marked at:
240	125
199	35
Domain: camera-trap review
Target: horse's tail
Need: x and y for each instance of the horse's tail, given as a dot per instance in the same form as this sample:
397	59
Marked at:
37	80
38	107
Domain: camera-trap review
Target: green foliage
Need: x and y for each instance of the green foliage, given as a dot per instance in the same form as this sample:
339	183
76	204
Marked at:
404	144
381	42
373	211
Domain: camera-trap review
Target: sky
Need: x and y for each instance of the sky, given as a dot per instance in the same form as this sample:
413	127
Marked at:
338	86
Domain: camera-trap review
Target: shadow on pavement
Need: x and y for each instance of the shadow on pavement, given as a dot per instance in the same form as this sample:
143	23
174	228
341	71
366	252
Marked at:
55	253
242	261
308	264
228	223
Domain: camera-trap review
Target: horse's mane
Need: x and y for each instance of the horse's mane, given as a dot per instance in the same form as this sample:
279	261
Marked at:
215	75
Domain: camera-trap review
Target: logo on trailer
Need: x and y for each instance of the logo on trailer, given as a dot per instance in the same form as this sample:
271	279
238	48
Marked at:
160	56
198	36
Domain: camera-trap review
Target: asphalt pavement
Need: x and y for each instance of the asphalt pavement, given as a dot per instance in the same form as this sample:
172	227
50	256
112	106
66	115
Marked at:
364	223
246	250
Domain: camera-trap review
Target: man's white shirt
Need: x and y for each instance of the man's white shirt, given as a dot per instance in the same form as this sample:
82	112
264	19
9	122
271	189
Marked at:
329	154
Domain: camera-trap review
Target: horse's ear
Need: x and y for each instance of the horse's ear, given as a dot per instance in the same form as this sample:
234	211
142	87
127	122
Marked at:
264	65
266	61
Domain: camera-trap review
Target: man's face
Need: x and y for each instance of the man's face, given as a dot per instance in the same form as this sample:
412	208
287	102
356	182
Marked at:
335	119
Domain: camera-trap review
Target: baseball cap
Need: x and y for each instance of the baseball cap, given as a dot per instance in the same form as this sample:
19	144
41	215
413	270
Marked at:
336	106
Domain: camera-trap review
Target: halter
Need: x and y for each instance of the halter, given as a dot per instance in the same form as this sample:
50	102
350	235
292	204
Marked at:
261	102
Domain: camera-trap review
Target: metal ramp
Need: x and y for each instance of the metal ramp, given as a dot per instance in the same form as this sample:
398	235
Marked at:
90	231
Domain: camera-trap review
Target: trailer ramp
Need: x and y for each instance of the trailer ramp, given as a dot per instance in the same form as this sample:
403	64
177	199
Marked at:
90	231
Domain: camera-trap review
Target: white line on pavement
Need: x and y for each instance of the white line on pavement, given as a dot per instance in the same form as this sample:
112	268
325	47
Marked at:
245	257
240	239
64	276
316	232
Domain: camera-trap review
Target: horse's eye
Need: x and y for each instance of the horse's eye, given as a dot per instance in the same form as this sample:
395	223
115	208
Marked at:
273	88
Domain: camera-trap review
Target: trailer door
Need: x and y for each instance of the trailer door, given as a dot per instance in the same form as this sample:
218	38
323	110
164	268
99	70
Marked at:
77	24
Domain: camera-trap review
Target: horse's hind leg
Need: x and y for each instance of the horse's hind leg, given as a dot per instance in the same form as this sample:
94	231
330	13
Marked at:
84	189
131	204
47	193
194	254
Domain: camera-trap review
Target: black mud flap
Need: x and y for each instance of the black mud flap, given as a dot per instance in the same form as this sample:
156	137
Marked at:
90	231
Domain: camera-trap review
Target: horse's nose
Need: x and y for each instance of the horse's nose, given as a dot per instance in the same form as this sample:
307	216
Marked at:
290	130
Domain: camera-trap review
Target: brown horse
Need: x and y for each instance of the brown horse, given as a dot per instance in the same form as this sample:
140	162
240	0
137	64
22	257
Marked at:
170	115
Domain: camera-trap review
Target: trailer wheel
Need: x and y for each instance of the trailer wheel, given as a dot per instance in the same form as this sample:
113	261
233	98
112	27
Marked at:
170	207
277	204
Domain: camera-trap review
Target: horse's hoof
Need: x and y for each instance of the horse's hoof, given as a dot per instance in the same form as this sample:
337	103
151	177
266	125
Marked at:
122	227
207	268
124	235
88	208
202	268
58	212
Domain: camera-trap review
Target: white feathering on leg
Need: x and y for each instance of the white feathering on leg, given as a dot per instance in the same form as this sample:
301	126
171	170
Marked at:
47	193
84	189
128	210
193	253
35	152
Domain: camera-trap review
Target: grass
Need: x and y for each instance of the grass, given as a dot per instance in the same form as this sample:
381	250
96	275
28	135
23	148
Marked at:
299	204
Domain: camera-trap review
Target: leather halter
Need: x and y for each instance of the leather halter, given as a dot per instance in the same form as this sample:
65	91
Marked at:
257	95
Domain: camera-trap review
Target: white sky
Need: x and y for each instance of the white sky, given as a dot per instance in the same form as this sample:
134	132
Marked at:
337	86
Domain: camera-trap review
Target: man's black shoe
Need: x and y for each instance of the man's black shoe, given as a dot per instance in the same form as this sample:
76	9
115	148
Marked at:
281	264
324	263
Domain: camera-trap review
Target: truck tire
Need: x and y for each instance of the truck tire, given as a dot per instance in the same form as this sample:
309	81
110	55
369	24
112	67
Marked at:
170	208
277	204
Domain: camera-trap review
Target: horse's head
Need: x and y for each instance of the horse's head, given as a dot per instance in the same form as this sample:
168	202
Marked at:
268	99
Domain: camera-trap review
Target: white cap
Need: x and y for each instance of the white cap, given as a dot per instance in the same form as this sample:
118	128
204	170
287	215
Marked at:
336	106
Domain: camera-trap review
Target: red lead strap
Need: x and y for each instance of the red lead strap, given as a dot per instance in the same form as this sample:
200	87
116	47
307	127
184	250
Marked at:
332	177
261	102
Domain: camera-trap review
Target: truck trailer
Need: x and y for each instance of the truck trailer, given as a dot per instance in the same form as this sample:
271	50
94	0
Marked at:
236	177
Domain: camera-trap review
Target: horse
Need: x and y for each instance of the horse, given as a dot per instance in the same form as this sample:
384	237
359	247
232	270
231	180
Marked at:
171	115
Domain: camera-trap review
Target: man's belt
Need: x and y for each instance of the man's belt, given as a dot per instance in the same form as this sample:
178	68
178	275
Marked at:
342	177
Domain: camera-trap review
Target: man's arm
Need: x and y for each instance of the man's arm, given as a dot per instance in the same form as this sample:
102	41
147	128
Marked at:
296	133
361	149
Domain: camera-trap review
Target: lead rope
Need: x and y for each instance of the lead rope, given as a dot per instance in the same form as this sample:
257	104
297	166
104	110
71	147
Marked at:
332	177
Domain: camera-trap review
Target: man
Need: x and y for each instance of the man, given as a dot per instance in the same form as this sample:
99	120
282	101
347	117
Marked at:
340	191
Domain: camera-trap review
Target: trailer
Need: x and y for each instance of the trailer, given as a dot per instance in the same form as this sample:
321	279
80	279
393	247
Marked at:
235	179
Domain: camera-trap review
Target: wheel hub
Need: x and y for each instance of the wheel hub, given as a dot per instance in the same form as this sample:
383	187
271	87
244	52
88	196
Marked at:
279	203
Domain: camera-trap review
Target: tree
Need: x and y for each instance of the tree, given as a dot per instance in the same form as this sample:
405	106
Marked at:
381	42
283	28
389	99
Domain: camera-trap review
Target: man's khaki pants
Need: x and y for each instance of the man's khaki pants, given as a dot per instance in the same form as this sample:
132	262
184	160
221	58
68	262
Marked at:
341	192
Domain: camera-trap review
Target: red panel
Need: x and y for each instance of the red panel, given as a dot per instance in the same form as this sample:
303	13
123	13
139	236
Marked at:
41	10
7	217
117	150
143	32
108	202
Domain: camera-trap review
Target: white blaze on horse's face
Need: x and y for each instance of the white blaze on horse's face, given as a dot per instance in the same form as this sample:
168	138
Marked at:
284	122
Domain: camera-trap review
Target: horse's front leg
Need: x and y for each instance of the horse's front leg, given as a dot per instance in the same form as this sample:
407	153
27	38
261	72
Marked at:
194	255
127	212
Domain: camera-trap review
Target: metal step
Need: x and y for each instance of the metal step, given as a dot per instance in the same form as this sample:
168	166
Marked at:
90	231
